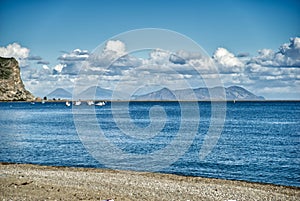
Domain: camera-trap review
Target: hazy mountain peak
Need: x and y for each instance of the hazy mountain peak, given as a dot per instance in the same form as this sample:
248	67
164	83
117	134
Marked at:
59	93
95	93
232	93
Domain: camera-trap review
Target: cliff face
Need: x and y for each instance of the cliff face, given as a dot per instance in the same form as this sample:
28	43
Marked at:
11	85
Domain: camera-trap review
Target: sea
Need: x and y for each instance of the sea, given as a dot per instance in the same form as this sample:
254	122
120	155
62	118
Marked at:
253	141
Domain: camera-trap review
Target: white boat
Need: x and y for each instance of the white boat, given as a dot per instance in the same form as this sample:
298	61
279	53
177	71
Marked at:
101	103
77	103
68	104
90	102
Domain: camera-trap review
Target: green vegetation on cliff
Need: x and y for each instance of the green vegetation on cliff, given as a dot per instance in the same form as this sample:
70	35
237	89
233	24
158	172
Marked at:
11	84
5	69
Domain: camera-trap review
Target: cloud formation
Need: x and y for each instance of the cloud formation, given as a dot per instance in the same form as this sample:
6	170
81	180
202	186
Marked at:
70	63
58	68
43	62
34	58
113	50
266	70
291	52
176	59
115	47
15	50
269	69
75	55
287	56
227	62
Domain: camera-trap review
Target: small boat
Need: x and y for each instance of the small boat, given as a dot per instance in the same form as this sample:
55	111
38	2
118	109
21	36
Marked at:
43	102
32	103
90	102
77	103
101	103
68	104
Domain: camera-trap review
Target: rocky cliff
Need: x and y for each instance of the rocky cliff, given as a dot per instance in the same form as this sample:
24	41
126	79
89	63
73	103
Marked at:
11	85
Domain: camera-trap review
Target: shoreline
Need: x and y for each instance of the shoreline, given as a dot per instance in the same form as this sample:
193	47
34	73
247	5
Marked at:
121	101
141	172
36	182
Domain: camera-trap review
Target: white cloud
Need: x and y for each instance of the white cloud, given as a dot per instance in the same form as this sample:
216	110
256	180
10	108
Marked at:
227	62
159	56
15	50
176	59
116	47
58	68
43	62
186	55
291	52
203	65
70	63
269	69
278	70
287	56
45	67
112	51
75	55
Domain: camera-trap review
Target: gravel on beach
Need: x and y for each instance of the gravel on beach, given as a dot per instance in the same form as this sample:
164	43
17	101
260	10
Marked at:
34	182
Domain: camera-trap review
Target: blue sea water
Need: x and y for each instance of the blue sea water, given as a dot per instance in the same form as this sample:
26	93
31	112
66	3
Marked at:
260	141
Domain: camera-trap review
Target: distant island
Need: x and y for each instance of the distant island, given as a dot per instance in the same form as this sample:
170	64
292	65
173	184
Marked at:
164	94
59	93
198	94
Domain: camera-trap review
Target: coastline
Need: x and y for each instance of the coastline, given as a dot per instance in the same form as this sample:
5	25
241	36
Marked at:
35	182
116	101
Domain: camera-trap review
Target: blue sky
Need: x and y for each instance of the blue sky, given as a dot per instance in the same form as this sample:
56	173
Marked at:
50	28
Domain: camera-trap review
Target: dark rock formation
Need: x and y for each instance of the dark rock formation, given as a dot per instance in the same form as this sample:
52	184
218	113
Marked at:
11	85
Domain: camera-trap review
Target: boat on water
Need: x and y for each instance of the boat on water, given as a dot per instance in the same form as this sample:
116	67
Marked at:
77	103
101	103
68	104
90	102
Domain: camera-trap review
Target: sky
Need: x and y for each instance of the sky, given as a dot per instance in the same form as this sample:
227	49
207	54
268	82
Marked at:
254	44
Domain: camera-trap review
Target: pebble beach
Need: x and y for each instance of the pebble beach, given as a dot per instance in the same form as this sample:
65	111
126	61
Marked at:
34	182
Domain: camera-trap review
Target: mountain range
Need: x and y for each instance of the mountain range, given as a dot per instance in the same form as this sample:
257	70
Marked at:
95	93
215	93
59	93
164	94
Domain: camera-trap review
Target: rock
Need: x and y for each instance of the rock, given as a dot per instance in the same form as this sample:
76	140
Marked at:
11	84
